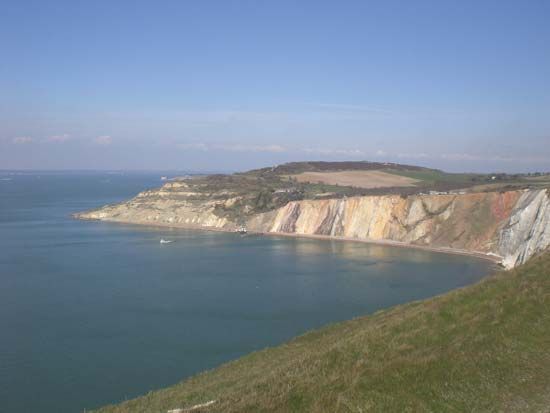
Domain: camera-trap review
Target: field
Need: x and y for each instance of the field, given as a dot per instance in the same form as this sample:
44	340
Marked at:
358	179
481	348
266	189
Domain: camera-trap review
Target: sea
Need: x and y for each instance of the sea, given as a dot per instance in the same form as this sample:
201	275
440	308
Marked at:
93	313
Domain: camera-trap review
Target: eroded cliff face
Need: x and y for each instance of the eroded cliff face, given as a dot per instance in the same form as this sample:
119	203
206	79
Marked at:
528	229
468	221
513	224
172	204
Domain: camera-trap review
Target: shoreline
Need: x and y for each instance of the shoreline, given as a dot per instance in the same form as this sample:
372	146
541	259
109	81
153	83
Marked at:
495	259
445	250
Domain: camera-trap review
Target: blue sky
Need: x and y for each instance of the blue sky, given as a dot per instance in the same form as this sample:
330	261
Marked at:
231	85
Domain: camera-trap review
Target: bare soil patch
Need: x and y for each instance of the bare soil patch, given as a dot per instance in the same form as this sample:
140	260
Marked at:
359	179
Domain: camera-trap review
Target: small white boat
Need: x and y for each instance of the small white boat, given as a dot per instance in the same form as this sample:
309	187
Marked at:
165	241
163	178
242	230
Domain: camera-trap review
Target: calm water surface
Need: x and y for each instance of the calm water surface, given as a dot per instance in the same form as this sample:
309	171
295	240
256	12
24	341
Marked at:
94	313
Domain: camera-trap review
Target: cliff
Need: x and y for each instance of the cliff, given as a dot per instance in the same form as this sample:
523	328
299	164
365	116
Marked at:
175	203
513	225
527	231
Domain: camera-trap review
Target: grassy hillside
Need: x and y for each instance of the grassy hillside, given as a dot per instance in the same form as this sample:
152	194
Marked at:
439	180
266	189
482	348
292	168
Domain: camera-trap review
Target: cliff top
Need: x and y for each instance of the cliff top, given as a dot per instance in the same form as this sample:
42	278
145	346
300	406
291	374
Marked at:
241	195
322	166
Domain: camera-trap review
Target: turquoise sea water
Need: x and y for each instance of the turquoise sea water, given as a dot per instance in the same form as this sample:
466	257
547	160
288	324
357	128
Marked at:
94	313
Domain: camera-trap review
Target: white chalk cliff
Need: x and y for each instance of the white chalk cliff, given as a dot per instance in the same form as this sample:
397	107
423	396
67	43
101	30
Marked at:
527	230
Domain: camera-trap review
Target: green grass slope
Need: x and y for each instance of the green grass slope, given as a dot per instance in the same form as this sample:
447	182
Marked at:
483	348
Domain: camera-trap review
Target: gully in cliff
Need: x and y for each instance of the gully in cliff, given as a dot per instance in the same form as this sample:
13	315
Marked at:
508	223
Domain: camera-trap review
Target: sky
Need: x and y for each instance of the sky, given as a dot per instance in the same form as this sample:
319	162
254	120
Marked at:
233	85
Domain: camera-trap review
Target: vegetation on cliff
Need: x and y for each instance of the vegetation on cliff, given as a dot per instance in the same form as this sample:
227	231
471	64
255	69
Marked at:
324	198
480	348
266	189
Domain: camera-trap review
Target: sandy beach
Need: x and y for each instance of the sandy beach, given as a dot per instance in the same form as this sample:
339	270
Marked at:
478	254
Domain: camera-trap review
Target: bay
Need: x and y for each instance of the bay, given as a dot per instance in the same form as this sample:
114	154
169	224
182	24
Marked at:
94	313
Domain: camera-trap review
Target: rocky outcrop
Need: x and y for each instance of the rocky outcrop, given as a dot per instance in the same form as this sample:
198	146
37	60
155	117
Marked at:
468	222
528	229
513	224
172	204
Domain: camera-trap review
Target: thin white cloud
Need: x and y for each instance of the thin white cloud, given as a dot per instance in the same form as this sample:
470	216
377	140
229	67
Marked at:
253	148
194	146
414	155
21	140
491	158
227	117
472	157
199	146
103	140
269	148
351	108
337	151
58	138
